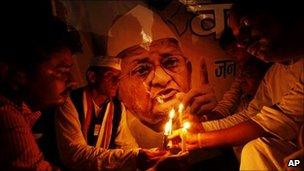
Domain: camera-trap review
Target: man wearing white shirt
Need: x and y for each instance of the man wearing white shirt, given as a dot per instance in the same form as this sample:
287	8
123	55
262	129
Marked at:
92	121
271	123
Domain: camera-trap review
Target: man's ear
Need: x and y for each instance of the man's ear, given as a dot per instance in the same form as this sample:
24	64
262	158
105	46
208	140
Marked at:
91	77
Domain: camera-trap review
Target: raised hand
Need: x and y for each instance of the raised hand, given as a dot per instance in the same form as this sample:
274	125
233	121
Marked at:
200	100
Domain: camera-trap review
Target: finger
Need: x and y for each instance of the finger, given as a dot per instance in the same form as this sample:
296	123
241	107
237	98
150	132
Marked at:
159	153
190	95
205	88
192	147
206	108
201	101
175	134
153	158
155	149
151	153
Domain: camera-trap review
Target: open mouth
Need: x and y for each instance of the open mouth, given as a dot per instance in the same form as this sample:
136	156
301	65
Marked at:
165	95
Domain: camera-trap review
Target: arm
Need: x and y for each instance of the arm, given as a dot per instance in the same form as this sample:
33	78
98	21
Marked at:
253	108
230	100
18	145
236	135
281	120
76	154
125	139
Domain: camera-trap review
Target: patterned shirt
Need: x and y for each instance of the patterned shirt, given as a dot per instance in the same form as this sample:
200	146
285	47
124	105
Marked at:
19	150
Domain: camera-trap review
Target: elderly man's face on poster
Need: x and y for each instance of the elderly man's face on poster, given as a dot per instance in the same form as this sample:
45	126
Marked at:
152	79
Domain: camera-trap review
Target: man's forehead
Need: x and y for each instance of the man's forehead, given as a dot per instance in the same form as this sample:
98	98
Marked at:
138	53
168	42
62	58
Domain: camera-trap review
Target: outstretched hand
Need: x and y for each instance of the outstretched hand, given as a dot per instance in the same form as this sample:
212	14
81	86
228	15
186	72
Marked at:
193	140
148	157
176	162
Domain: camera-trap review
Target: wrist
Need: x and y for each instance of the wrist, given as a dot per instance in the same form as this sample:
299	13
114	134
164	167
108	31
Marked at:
200	140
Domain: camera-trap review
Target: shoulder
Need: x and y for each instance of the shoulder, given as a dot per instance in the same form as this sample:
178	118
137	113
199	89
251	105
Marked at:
67	107
7	108
11	117
275	67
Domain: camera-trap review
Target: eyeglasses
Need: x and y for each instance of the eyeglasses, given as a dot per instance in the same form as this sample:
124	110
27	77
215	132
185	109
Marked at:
111	77
170	64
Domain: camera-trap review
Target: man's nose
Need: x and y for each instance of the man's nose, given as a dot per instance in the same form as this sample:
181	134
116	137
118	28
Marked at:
161	77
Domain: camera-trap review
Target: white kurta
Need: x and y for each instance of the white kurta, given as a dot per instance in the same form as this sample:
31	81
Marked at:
282	86
76	154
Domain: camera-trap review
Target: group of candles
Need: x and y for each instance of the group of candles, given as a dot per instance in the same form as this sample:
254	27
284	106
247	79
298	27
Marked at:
169	128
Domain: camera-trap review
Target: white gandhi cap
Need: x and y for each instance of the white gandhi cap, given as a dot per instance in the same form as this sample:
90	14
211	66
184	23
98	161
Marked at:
140	26
106	61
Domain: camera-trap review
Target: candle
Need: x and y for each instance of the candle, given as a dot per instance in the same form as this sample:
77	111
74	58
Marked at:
168	128
180	113
186	126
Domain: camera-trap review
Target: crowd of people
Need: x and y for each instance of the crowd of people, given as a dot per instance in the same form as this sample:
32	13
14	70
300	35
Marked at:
115	122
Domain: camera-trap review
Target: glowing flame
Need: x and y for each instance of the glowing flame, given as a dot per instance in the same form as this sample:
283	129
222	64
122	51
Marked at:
160	99
145	37
146	40
186	125
180	108
171	113
168	128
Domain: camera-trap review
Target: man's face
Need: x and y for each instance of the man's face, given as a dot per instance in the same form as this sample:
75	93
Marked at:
262	36
53	80
152	78
107	83
239	53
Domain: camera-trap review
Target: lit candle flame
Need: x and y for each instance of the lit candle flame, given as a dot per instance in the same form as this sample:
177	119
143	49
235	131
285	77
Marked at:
180	108
146	40
160	99
186	125
180	112
171	114
168	128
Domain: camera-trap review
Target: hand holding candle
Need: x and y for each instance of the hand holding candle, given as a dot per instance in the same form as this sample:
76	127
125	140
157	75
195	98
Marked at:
186	126
180	112
168	128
